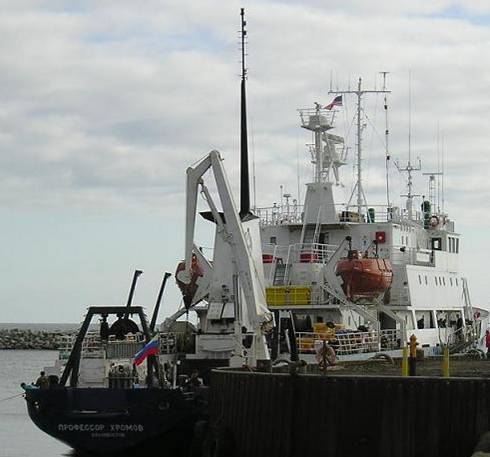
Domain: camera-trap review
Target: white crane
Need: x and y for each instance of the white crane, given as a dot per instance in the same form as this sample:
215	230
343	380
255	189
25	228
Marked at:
239	257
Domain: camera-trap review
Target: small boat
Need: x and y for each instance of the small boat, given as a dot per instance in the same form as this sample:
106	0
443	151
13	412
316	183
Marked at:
364	277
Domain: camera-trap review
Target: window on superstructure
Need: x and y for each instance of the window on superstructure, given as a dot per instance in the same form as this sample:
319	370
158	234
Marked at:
444	280
420	279
273	240
435	280
457	284
426	282
457	245
451	281
436	244
324	238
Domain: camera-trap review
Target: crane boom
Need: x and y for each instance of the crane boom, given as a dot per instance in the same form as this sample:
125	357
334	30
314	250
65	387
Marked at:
240	236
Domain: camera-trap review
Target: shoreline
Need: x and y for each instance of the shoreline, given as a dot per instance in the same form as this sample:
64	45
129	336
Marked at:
11	339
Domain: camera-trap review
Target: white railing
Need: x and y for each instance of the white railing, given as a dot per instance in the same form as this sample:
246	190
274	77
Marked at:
295	253
91	345
281	215
470	333
94	347
392	214
310	252
350	342
293	213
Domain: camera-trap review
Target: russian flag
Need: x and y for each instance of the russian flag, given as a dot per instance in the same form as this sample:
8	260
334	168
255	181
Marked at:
151	348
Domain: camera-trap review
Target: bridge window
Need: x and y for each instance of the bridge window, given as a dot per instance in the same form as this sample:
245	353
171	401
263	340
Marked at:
273	240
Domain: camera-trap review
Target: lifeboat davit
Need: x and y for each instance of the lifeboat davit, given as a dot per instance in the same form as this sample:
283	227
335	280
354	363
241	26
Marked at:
189	289
364	277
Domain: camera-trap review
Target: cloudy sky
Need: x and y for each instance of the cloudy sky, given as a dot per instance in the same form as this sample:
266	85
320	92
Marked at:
104	104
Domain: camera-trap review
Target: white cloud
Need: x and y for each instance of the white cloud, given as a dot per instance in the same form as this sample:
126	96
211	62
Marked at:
105	104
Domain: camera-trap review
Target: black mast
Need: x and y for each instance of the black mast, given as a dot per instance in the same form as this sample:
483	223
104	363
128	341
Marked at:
136	275
244	178
153	322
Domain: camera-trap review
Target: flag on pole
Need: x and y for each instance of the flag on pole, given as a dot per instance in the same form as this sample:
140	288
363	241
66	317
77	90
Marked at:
337	101
151	348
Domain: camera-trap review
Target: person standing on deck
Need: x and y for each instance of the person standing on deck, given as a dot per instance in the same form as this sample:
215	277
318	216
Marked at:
42	382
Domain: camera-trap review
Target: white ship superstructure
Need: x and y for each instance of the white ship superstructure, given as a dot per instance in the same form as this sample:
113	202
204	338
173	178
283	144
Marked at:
302	245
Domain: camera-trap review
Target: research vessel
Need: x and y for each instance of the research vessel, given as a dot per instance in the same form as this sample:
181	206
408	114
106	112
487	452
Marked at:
99	401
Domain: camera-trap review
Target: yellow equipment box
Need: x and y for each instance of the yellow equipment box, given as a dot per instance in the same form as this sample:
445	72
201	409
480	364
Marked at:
288	295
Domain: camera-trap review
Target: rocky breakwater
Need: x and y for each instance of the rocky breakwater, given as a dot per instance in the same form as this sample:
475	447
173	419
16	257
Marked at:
29	339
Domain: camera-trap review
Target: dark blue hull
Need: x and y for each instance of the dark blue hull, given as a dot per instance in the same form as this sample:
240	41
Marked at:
100	420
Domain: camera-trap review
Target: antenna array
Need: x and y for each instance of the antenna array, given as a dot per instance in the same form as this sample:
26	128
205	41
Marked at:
358	188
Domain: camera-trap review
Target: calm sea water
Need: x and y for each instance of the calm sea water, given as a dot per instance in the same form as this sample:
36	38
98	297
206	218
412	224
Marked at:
19	437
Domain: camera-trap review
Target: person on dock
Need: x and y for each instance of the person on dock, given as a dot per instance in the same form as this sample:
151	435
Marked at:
194	381
42	382
487	342
459	327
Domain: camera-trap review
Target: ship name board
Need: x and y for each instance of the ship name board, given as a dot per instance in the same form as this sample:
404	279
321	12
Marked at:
100	428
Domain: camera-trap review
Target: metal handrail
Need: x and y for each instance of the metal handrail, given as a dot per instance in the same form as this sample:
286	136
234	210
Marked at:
353	342
294	214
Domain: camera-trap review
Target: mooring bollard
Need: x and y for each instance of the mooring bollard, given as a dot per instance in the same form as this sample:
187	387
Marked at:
412	360
445	363
405	362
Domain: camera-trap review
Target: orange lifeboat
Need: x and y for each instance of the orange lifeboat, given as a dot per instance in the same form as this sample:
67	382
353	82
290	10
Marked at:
190	289
363	277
